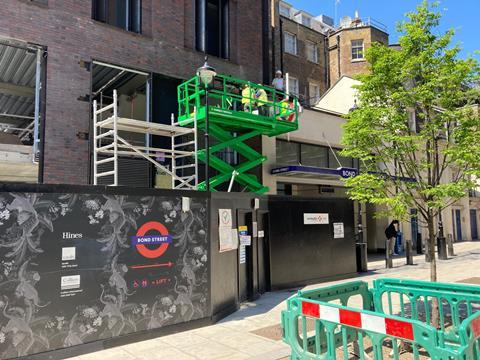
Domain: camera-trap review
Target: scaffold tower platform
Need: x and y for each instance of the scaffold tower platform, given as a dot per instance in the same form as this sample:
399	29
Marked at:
109	143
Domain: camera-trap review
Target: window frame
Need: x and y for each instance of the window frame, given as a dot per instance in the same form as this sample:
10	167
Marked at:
297	92
129	15
331	163
285	7
309	18
356	48
315	51
310	85
285	34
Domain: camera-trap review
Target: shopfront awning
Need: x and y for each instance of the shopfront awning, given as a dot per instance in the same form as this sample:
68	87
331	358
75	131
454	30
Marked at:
313	171
319	172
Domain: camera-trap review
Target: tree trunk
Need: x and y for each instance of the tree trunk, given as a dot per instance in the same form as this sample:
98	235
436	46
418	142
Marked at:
433	267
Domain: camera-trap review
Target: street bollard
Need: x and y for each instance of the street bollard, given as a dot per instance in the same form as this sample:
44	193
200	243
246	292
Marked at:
451	252
428	257
362	261
419	244
442	248
388	255
408	252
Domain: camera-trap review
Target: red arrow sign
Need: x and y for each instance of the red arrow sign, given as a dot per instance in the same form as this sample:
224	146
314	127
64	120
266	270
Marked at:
169	264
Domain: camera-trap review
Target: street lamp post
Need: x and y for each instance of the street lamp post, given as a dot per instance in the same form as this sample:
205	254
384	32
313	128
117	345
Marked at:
441	242
206	74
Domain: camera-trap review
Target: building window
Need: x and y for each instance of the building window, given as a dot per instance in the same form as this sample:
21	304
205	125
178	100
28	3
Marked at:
125	14
293	153
312	51
334	160
293	86
284	10
357	50
307	21
213	27
288	153
314	93
314	155
290	43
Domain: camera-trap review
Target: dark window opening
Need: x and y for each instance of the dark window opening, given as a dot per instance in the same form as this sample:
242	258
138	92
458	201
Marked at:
212	27
294	153
125	14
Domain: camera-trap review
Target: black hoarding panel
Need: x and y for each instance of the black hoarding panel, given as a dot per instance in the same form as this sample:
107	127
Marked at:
302	253
77	267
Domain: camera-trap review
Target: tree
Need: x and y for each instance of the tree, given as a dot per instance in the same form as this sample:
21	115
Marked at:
415	132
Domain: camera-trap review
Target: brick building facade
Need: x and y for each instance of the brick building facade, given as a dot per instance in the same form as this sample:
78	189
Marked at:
347	46
301	51
72	39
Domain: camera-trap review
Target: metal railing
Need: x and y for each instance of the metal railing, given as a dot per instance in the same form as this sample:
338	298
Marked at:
231	94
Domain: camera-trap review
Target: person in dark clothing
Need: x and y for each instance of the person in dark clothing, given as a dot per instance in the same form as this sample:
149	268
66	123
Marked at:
391	234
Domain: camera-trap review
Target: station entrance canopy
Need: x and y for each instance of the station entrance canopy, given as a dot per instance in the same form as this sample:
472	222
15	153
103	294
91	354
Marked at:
315	172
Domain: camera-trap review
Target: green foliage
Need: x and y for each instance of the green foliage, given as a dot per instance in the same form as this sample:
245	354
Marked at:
428	164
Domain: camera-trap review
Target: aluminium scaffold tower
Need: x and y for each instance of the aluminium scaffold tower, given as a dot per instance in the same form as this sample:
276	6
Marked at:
238	111
108	143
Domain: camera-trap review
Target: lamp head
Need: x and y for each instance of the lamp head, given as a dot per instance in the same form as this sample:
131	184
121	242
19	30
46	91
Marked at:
206	73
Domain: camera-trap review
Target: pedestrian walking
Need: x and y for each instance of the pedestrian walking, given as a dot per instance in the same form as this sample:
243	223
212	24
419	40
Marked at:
391	234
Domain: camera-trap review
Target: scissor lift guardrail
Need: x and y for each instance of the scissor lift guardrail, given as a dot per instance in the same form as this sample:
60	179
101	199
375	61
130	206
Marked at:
320	324
108	142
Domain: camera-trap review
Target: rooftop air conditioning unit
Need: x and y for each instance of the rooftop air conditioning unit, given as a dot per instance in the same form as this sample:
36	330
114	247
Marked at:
327	20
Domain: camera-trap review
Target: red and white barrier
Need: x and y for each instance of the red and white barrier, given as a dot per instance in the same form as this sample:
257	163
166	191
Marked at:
360	320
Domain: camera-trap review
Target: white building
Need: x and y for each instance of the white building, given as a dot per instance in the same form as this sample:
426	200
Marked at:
307	163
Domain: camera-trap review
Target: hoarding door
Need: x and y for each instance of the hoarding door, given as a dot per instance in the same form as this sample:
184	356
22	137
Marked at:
245	264
263	252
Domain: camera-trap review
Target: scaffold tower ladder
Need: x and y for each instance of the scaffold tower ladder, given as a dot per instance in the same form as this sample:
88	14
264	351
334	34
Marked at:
108	144
238	111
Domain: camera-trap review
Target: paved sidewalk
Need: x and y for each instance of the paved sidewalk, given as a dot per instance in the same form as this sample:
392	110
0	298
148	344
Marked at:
233	337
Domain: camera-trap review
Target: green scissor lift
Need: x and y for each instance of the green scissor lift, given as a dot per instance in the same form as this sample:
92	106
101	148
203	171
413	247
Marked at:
231	127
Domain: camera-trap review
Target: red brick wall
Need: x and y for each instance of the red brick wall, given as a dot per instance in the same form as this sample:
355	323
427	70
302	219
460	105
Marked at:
166	46
348	66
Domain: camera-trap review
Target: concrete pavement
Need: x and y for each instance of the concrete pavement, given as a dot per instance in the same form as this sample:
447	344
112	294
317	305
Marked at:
253	333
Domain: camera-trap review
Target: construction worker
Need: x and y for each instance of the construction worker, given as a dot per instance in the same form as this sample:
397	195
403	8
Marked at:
286	110
262	101
246	97
278	82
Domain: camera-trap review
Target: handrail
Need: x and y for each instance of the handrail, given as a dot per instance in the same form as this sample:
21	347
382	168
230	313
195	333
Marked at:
226	90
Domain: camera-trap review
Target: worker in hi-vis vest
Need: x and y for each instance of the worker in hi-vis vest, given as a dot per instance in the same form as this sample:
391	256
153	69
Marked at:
246	96
262	101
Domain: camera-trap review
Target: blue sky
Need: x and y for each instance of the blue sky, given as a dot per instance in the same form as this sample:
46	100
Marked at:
462	15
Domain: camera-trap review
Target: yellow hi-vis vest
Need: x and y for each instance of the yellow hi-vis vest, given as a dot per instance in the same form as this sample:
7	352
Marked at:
262	98
246	95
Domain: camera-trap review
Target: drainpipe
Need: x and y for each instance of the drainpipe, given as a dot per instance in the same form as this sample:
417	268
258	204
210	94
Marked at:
327	62
42	113
338	56
265	42
281	46
200	25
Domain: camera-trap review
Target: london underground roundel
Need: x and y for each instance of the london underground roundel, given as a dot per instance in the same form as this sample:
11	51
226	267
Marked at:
156	236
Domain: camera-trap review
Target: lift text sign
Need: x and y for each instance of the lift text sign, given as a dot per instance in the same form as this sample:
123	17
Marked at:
315	218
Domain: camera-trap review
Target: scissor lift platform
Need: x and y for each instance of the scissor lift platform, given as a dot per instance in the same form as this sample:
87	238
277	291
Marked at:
234	117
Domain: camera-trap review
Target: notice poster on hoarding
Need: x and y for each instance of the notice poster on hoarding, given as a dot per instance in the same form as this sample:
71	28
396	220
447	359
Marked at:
243	254
338	231
225	218
245	240
226	239
315	218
